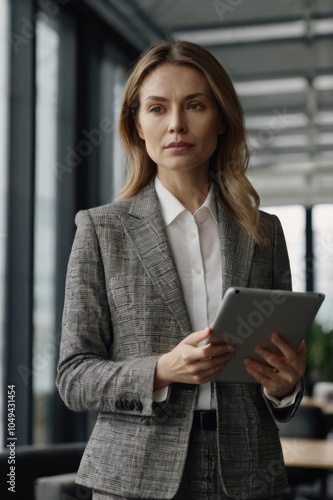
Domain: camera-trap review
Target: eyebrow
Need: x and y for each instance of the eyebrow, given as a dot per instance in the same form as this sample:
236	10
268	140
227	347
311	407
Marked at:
186	98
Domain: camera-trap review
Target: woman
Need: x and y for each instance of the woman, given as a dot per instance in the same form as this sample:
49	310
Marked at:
145	278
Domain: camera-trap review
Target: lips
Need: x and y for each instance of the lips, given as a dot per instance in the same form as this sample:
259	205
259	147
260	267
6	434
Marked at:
179	146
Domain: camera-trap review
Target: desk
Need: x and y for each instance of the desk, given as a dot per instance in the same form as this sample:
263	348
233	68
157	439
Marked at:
308	453
325	406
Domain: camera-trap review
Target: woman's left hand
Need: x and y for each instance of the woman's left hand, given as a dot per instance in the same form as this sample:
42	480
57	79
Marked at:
284	370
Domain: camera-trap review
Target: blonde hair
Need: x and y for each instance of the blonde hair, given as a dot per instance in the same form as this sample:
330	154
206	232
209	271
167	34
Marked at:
230	161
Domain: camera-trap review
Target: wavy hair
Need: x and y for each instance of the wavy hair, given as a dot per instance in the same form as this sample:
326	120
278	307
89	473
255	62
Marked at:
228	164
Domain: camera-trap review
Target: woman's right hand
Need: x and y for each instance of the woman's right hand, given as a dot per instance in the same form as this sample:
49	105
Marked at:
190	364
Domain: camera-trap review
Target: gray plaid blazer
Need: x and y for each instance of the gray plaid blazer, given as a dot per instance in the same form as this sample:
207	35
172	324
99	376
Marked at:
124	307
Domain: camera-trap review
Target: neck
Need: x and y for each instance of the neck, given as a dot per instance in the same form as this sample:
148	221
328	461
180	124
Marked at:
190	190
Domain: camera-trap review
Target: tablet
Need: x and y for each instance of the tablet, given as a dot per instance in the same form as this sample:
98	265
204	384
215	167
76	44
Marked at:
248	316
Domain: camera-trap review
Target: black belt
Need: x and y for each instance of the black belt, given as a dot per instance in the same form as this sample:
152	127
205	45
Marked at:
205	420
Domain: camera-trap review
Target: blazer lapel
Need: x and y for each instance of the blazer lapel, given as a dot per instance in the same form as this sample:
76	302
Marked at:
237	251
145	226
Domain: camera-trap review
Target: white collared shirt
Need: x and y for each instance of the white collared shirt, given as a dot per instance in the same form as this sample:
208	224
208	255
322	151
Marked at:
195	245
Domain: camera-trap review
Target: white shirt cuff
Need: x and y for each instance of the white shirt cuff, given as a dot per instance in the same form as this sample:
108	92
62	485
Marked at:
160	395
287	401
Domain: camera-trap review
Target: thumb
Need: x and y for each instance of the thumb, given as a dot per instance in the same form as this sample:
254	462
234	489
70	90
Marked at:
197	337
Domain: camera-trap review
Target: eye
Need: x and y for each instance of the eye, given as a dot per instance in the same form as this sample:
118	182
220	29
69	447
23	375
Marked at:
155	109
195	106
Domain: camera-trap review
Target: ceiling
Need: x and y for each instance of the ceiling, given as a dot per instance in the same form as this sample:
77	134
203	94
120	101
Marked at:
279	54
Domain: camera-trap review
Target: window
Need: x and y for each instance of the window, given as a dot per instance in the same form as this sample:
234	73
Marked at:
3	175
322	223
50	76
118	159
292	219
112	162
45	225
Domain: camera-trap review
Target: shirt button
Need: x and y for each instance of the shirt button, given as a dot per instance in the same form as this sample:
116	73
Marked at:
193	235
198	271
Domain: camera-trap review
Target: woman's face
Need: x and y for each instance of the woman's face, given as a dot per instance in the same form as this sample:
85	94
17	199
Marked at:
178	118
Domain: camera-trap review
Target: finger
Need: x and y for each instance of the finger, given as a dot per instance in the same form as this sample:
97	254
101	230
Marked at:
196	337
213	372
260	377
257	366
287	363
282	375
302	349
206	364
288	353
271	358
283	345
271	381
266	375
211	350
287	370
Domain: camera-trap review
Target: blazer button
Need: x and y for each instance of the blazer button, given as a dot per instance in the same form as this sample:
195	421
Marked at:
126	405
131	405
119	404
138	405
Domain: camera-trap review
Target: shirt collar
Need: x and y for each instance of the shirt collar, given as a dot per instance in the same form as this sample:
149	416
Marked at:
171	208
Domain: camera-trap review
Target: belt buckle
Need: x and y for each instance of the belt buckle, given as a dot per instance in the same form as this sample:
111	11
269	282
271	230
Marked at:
208	420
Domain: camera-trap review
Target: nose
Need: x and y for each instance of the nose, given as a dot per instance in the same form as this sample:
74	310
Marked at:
177	121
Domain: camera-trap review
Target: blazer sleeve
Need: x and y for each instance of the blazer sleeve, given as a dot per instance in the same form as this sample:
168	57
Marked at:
87	378
282	281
